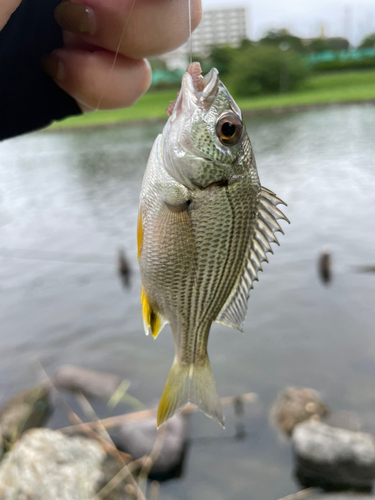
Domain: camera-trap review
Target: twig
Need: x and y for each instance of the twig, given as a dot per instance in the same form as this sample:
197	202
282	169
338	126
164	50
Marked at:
90	412
299	494
108	447
102	431
119	477
145	463
154	490
111	422
121	394
154	455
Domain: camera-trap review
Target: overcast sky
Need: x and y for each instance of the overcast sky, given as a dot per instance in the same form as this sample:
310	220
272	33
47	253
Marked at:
349	18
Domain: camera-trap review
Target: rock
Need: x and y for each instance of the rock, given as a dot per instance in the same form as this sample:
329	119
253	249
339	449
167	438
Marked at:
340	496
47	465
138	439
295	405
325	267
333	458
28	409
92	384
124	269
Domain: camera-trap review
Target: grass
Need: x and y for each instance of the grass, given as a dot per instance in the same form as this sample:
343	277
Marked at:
322	89
151	106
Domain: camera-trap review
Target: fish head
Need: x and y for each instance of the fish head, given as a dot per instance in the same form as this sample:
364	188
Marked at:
205	140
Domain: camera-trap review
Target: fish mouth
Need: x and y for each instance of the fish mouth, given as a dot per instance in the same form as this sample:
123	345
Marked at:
202	87
196	89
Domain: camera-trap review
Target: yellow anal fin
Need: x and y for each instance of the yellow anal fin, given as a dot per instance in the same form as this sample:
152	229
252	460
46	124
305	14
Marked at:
152	320
139	231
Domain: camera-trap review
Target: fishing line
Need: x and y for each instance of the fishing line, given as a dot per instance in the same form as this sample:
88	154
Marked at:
119	46
190	35
116	56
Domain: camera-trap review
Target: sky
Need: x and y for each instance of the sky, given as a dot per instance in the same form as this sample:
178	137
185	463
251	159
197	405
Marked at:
352	19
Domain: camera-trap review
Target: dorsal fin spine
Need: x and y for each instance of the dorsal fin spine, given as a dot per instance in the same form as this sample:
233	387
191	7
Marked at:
235	308
263	227
263	241
255	259
270	221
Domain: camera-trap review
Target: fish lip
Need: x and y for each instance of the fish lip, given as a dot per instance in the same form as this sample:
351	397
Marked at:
211	83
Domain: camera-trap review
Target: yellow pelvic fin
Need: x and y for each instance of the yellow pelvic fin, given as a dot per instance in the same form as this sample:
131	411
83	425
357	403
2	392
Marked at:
152	320
139	231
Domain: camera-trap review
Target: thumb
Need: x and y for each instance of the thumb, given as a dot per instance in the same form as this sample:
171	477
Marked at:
7	7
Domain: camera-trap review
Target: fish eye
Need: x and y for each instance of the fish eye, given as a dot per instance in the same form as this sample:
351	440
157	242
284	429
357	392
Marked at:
229	129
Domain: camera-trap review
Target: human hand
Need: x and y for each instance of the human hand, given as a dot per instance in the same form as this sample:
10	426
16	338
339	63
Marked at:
7	7
95	30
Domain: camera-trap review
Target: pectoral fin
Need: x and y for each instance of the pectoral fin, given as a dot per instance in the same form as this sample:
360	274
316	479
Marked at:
234	311
152	320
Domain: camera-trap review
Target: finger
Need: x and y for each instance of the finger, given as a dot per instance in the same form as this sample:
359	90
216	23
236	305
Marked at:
145	27
7	7
88	77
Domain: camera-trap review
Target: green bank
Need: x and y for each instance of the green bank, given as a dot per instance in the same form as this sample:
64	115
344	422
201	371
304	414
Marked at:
318	90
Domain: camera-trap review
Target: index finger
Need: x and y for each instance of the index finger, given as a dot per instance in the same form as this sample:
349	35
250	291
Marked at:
7	7
144	27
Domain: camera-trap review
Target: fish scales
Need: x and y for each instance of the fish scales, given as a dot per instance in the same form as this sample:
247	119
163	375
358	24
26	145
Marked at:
221	257
205	225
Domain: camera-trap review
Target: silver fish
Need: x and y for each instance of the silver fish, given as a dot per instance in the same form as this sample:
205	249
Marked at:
205	225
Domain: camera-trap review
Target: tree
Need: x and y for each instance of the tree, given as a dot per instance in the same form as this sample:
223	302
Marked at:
368	42
338	43
275	37
221	59
318	45
260	70
323	44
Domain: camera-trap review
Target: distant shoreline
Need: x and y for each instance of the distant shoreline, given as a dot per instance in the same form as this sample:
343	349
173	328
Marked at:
274	110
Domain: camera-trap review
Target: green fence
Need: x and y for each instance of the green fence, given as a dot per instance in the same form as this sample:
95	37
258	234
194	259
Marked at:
340	56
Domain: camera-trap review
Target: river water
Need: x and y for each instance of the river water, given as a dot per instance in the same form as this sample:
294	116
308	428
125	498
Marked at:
68	202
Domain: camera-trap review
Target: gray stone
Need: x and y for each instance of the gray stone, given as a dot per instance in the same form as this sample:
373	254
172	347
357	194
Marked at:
295	405
333	458
325	266
28	409
138	440
92	384
47	465
340	496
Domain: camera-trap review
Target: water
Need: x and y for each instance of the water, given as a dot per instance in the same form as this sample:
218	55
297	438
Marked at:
69	201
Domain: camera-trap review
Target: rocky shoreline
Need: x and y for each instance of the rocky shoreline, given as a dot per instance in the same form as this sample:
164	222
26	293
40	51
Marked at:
114	458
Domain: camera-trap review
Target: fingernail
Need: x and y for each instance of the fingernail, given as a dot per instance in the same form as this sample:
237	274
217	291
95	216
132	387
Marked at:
76	17
54	67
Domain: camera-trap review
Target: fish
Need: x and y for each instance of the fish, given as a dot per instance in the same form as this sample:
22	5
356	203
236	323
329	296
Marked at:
205	225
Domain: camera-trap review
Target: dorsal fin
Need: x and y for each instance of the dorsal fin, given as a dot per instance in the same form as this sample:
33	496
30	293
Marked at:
235	308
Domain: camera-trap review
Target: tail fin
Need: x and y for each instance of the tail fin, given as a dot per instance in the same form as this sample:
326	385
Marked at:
192	384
